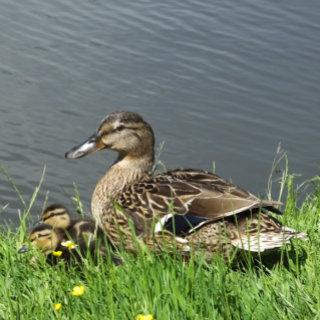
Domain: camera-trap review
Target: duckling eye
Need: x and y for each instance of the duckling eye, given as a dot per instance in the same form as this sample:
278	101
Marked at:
119	128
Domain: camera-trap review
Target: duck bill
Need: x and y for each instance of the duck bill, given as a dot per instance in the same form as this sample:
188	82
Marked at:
90	145
23	249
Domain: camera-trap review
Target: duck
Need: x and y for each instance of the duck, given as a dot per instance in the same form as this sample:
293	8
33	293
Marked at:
58	232
83	231
187	209
79	229
54	244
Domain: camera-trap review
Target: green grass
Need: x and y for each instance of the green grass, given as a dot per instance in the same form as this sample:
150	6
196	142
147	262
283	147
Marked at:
166	286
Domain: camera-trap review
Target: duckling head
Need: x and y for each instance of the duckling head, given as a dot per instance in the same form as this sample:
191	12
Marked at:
45	238
125	132
56	216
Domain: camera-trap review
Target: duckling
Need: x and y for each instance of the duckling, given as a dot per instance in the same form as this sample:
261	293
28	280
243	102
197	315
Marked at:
83	231
49	240
58	216
57	245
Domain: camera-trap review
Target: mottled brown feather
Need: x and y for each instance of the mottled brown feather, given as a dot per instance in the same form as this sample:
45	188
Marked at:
129	194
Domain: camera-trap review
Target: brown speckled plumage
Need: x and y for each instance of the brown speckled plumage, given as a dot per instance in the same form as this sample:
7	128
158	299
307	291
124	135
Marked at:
218	215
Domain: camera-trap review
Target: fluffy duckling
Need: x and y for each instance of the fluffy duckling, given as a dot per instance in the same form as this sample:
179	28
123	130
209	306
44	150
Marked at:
83	231
58	234
57	244
80	229
53	242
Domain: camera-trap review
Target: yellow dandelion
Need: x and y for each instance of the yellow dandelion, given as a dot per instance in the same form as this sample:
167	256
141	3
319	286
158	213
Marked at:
69	244
57	306
57	253
144	317
78	291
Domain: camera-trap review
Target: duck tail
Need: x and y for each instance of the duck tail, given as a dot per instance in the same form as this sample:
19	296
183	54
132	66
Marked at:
270	240
295	234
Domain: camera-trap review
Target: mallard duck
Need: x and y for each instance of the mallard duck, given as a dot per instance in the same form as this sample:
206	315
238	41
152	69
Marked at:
83	231
79	229
188	208
54	243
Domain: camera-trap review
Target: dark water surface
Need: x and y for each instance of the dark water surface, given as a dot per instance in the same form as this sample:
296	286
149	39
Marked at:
222	81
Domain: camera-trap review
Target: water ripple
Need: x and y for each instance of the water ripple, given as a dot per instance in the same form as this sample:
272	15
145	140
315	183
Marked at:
219	82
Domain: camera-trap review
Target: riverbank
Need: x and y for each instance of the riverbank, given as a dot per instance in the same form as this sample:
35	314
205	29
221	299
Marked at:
165	286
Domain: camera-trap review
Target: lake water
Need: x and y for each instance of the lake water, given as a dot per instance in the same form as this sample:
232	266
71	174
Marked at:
220	81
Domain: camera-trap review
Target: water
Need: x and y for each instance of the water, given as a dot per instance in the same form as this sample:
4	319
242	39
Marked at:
220	81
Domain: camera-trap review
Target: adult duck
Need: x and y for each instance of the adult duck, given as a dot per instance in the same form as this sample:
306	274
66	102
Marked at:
184	208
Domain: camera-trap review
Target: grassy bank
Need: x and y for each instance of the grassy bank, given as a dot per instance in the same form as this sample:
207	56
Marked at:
165	286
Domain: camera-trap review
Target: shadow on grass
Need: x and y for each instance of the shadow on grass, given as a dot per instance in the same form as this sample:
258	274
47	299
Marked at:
292	259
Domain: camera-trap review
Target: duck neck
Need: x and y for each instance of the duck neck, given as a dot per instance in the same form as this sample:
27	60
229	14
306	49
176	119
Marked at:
126	171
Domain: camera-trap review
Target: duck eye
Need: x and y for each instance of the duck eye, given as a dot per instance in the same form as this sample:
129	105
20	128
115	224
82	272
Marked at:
119	128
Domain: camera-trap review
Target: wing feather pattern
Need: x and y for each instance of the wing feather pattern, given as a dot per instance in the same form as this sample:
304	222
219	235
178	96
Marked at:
198	195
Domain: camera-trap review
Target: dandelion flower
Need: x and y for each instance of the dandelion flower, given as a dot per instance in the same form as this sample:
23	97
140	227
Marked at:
144	317
78	291
57	306
69	244
57	253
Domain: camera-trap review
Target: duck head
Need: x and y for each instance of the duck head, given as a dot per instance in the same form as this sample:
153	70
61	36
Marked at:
56	216
125	132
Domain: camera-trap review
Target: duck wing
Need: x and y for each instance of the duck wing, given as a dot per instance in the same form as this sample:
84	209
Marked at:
227	188
186	199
